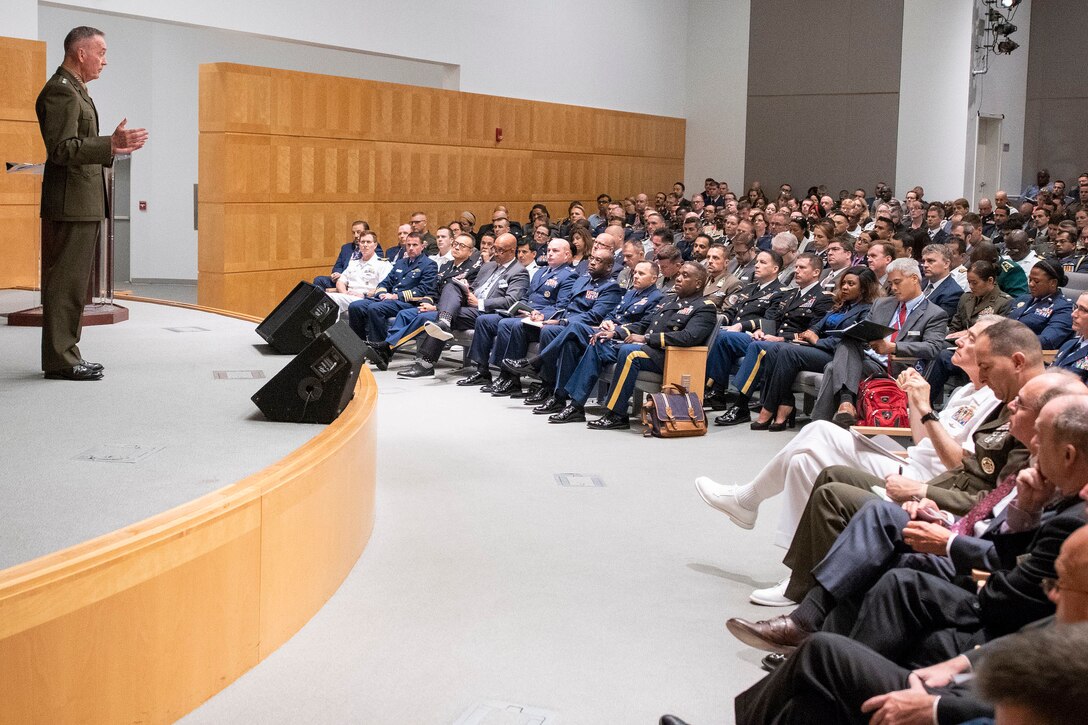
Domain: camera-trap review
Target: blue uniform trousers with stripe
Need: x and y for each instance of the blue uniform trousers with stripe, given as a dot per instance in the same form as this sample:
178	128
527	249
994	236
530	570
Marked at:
728	348
370	317
631	359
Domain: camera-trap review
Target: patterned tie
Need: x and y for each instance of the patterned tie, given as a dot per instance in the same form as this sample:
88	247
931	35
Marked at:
901	320
984	508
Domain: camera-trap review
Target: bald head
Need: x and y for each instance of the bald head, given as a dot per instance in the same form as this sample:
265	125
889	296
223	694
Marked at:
505	248
604	239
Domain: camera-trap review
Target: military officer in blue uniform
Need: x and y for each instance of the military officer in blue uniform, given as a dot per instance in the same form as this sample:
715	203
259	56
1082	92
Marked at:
683	319
461	269
1044	308
1065	249
411	279
802	307
559	356
549	289
1074	353
595	295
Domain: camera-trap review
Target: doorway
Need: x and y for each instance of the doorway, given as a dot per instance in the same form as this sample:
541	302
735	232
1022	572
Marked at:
988	151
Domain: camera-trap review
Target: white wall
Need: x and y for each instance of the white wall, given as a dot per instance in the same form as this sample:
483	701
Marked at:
19	19
934	98
1003	92
716	88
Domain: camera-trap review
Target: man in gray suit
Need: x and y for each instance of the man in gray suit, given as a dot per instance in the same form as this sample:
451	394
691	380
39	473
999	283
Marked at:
501	282
920	329
73	198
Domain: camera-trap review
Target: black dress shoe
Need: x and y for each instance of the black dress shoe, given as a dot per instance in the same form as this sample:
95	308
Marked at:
734	416
93	366
377	353
773	661
417	371
671	720
506	387
538	396
716	401
521	366
553	404
477	378
526	392
76	372
610	421
572	413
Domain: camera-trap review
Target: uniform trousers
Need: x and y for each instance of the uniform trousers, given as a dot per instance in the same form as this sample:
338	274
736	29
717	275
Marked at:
512	339
370	317
749	376
783	363
483	338
583	378
729	347
67	263
820	444
561	347
325	282
631	359
849	366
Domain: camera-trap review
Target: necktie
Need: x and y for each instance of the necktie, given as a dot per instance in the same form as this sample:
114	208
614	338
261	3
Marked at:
900	321
984	508
485	290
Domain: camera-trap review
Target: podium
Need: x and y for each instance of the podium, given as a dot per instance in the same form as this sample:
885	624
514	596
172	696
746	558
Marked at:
99	308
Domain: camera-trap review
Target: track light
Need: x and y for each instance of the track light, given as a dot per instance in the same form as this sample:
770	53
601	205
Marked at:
1009	3
1007	46
1004	29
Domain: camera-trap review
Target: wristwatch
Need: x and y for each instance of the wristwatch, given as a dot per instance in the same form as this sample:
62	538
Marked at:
930	416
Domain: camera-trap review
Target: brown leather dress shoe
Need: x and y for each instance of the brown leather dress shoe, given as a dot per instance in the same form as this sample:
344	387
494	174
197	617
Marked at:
780	634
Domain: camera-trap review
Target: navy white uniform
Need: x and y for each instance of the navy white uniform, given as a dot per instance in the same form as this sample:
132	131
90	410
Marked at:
548	291
410	280
679	322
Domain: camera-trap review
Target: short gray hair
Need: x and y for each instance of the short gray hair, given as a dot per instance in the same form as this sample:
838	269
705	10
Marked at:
938	249
909	267
785	239
78	35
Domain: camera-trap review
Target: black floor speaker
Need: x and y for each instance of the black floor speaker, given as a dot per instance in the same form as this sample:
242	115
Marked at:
318	384
302	315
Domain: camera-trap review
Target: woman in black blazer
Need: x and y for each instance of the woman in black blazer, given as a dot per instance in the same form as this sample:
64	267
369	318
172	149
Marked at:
814	348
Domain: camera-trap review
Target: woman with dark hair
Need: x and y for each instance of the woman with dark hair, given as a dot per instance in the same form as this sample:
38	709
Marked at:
983	298
823	232
914	241
1044	308
581	243
813	349
759	223
799	229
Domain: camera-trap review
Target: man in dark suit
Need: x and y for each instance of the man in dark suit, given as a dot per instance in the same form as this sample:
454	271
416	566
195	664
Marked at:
935	224
1073	355
328	281
835	678
920	329
941	287
500	282
74	199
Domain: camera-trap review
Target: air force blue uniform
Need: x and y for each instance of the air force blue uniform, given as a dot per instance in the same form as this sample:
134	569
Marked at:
411	280
1050	318
549	291
1074	357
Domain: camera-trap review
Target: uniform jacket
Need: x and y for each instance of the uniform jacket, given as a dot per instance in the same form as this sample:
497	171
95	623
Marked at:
1012	279
411	280
635	305
1074	263
1050	318
752	303
797	312
590	300
73	187
717	290
678	322
970	308
511	287
1073	357
550	289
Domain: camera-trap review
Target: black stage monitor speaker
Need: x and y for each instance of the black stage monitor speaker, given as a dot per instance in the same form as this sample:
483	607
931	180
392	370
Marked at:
298	319
318	384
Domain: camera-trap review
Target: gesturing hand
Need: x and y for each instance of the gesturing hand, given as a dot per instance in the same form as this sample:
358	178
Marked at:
126	140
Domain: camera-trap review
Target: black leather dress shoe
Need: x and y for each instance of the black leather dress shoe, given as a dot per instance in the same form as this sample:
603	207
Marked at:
377	354
716	401
521	366
671	720
572	413
477	378
93	366
734	416
538	396
610	421
417	371
505	387
526	392
553	404
76	372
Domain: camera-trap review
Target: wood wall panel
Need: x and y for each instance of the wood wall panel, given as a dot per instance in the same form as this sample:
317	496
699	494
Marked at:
22	75
288	160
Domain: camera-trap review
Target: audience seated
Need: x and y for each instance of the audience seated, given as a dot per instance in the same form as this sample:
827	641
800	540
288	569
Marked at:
347	252
1073	355
411	280
364	270
1044	308
940	289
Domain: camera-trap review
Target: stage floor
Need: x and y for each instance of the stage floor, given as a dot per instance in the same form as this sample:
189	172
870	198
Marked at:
189	430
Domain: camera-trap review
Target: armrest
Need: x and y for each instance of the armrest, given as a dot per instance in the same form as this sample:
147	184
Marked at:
1049	355
872	430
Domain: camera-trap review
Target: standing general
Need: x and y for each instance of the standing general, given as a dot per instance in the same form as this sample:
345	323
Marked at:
73	198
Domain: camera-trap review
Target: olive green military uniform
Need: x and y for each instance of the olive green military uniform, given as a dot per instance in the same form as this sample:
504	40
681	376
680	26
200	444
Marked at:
995	302
72	210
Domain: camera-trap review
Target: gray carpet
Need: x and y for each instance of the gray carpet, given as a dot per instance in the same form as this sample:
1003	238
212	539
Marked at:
486	581
196	434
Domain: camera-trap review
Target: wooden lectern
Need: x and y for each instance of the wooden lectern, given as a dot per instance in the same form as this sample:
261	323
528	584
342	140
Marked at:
99	309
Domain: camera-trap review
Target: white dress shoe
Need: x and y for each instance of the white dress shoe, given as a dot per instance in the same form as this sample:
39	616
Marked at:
724	499
773	596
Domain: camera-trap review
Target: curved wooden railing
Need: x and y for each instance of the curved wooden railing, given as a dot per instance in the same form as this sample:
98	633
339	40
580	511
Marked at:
145	623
